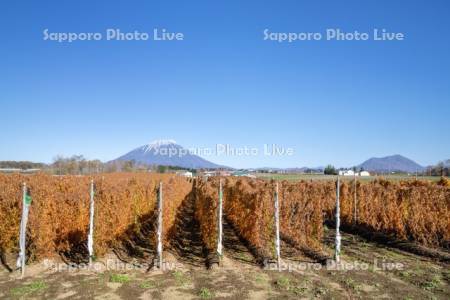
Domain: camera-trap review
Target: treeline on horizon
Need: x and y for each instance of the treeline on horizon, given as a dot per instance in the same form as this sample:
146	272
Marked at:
79	165
441	169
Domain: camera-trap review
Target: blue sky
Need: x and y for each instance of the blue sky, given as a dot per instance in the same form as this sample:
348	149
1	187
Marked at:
337	102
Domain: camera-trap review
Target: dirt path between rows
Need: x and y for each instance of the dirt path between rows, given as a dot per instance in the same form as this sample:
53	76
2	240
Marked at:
240	277
186	243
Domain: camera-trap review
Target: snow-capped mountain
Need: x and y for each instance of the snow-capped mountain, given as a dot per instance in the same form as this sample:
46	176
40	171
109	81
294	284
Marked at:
167	153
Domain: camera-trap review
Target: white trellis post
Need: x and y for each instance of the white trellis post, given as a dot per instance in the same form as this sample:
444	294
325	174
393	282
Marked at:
91	223
338	224
219	223
277	229
26	201
354	201
160	224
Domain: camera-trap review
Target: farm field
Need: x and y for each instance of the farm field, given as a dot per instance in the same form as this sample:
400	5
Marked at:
232	150
414	214
241	278
297	177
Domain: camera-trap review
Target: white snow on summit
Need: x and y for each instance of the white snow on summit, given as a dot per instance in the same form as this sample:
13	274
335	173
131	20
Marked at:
158	143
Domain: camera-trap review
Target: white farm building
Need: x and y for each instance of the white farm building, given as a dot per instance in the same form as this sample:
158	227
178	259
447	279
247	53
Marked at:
187	174
353	173
346	173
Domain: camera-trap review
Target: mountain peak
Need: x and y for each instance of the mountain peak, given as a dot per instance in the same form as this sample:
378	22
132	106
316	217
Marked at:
161	142
395	162
167	152
157	144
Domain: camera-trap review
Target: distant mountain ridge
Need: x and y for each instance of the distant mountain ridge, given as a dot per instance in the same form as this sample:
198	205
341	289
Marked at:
167	153
397	163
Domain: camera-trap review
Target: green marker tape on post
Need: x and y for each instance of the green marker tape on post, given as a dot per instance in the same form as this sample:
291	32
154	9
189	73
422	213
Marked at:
28	199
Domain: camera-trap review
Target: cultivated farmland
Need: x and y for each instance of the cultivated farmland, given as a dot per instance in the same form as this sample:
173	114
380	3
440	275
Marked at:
405	222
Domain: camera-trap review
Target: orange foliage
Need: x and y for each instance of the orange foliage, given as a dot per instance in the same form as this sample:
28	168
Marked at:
175	191
59	213
249	206
412	210
206	204
301	212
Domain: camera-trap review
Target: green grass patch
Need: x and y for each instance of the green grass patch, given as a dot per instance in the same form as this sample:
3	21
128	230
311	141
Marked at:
205	293
244	256
351	284
149	284
119	278
298	290
283	282
180	278
259	279
405	274
432	284
28	289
